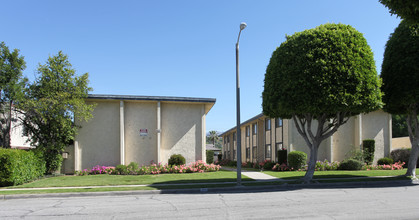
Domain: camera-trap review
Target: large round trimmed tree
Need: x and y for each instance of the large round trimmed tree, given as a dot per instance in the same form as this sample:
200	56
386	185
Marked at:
400	74
325	74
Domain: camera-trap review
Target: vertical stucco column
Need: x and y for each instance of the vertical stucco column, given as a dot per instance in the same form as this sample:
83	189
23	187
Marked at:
203	135
122	132
290	130
390	136
159	132
77	166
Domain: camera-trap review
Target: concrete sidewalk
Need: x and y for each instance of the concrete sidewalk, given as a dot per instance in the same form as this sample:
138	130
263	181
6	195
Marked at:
256	175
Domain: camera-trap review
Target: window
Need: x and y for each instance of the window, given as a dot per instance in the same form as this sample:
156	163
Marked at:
278	122
234	154
254	152
247	131
268	124
234	136
268	151
247	152
255	128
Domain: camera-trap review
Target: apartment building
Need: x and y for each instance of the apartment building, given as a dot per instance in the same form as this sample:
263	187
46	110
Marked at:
262	137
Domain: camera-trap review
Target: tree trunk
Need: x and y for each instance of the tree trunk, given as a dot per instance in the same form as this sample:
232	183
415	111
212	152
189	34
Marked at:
312	163
413	128
414	153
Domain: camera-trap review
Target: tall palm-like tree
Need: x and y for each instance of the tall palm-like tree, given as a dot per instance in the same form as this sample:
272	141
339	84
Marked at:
213	136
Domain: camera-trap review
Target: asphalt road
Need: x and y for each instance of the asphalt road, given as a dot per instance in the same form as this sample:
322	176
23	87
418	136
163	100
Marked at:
328	202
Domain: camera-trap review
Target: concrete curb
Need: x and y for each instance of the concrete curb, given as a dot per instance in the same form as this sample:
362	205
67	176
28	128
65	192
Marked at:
234	189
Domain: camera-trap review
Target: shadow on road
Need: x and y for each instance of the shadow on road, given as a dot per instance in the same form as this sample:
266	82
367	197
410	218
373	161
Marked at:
229	185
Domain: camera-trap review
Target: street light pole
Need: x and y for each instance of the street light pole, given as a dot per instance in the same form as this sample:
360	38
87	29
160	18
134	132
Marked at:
238	132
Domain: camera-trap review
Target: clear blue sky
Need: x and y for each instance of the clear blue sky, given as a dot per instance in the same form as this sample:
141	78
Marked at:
179	48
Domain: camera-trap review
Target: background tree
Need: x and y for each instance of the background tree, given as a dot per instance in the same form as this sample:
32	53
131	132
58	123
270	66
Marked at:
54	99
399	126
400	74
406	9
319	78
11	89
213	137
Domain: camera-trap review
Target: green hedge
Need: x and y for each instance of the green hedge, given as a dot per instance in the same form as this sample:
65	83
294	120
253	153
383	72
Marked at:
385	161
19	166
369	150
350	164
210	156
297	159
282	156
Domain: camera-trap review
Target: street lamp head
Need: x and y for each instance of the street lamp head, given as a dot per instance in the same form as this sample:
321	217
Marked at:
243	25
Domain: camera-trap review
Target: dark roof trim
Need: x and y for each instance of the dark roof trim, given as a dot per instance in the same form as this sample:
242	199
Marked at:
151	98
243	123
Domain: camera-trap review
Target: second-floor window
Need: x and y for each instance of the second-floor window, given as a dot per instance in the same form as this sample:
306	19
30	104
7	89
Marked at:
278	122
268	124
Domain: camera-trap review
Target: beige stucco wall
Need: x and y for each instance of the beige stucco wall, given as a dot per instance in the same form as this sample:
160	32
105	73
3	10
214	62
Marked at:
98	139
140	115
182	131
17	139
377	125
68	163
400	142
296	142
343	140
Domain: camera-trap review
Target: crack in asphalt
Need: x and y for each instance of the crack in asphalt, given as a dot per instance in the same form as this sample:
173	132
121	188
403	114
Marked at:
167	202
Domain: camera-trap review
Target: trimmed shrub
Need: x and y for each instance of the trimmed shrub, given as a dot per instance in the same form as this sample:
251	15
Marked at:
282	156
355	154
247	165
350	164
402	155
132	168
385	161
19	166
121	170
220	157
210	156
232	163
176	159
369	149
268	165
223	162
297	159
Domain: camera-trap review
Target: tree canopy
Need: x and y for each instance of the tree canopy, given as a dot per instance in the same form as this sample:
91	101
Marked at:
400	69
54	99
400	74
406	9
324	70
12	84
326	74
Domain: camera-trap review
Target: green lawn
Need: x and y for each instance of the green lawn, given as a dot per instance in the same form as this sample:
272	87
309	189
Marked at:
110	180
215	179
336	174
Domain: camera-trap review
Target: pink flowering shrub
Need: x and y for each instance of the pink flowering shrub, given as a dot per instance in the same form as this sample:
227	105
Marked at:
282	167
395	166
102	170
153	168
